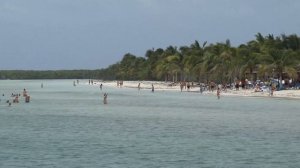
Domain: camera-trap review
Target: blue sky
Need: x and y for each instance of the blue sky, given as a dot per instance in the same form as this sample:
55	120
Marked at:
91	34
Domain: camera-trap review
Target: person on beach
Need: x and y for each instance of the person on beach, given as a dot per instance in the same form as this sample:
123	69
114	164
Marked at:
257	88
105	98
152	89
237	85
218	92
201	88
211	86
188	86
181	86
272	90
224	87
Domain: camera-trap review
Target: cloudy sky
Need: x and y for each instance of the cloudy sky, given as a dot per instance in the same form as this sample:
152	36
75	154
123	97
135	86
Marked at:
91	34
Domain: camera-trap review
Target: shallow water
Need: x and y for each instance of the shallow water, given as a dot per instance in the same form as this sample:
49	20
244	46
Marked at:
66	126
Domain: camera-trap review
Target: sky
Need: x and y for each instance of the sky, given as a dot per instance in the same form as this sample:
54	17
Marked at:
93	34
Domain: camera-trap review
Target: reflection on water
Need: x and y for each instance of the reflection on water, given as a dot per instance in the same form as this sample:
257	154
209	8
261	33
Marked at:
67	126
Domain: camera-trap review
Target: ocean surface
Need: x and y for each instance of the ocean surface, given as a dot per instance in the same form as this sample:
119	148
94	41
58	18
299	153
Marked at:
67	126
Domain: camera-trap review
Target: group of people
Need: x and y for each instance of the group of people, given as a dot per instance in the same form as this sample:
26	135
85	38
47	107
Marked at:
183	85
139	87
91	81
186	85
211	86
15	97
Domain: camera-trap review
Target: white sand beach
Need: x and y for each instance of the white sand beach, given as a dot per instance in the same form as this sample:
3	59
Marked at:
169	86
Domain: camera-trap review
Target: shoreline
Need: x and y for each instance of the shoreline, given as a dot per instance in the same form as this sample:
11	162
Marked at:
169	86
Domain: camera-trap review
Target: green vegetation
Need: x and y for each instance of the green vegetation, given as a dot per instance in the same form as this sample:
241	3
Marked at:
262	58
61	74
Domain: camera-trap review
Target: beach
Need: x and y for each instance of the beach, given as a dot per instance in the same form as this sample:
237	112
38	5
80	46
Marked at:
170	86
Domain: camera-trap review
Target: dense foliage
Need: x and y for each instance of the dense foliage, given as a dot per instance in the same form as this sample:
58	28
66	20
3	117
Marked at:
262	58
61	74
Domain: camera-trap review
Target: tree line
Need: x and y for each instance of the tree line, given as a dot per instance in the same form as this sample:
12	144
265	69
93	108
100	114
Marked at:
55	74
262	58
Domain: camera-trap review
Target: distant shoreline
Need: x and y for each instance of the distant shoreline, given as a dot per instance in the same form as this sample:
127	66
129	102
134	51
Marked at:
166	86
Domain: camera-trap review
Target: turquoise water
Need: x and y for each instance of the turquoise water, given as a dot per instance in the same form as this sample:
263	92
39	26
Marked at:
66	126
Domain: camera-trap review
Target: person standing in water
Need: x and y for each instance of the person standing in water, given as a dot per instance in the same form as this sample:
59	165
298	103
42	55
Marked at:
201	88
218	92
139	86
152	88
105	98
181	86
24	92
101	86
2	96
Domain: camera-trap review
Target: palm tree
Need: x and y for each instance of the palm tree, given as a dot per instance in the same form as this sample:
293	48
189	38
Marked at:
278	56
153	57
167	67
208	65
249	58
193	59
279	62
175	67
218	61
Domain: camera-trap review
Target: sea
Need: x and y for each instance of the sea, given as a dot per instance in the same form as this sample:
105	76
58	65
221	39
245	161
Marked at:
67	126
